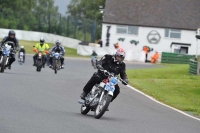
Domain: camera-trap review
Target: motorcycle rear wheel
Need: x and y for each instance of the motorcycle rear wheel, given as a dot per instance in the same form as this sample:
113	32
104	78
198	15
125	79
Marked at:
84	109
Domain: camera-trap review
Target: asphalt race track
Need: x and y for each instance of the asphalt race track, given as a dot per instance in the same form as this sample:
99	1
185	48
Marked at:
44	102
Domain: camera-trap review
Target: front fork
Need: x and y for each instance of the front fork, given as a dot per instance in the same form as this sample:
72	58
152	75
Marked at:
7	60
101	96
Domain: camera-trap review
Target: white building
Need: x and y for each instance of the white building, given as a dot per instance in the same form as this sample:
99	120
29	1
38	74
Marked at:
164	25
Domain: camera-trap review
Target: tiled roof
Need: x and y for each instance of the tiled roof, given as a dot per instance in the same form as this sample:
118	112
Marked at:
178	14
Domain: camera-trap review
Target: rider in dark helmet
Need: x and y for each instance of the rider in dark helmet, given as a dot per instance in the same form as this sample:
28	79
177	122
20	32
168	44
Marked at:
113	64
57	48
11	38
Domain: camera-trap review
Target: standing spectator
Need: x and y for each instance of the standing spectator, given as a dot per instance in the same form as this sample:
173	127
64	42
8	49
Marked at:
116	45
146	50
100	42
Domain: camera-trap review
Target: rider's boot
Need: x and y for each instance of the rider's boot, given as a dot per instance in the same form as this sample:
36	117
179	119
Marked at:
9	67
83	95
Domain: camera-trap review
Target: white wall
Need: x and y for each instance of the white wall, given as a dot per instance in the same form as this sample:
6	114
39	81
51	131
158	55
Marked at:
163	45
35	36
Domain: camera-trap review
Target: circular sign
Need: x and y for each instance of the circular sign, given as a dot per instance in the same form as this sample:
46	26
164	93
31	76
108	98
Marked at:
153	37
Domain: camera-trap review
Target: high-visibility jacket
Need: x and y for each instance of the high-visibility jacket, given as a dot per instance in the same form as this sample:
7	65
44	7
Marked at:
155	57
44	47
146	49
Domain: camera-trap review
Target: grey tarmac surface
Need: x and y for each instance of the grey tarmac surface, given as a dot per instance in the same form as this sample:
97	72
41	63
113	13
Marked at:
44	102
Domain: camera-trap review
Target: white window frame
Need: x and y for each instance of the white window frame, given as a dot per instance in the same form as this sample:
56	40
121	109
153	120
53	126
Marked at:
127	29
171	31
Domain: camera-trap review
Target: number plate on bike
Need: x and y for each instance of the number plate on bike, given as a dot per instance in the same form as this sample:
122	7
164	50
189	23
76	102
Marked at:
109	87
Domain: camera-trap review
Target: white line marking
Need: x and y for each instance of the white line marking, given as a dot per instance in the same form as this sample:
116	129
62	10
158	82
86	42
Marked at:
162	103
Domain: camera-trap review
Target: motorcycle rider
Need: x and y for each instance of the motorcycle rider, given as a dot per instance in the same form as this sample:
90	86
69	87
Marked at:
60	49
94	55
23	51
113	64
11	37
42	46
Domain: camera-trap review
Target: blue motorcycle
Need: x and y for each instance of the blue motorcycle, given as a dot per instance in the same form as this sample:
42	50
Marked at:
5	57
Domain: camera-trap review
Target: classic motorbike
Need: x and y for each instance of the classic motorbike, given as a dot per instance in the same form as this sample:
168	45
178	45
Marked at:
56	63
94	62
99	98
5	56
21	58
40	61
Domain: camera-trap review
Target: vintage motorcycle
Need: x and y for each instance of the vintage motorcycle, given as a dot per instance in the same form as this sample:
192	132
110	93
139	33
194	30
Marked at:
21	58
99	98
56	62
5	57
40	61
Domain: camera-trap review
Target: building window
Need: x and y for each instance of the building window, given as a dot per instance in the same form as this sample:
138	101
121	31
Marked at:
132	30
169	33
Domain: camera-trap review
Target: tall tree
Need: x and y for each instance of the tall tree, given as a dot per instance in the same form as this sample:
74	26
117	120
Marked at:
29	15
87	9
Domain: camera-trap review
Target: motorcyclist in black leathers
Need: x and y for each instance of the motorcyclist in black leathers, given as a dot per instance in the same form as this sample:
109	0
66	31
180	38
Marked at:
11	37
113	64
60	49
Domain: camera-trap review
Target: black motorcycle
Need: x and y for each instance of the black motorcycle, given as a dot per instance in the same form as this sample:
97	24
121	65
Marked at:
40	61
56	61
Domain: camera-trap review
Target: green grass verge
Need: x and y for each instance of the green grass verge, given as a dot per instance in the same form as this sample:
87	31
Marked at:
171	84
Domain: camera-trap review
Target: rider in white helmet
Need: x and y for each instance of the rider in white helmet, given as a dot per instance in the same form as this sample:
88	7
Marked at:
23	51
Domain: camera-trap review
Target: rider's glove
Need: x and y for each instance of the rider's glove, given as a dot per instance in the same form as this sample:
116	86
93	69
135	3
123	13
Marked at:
100	67
125	82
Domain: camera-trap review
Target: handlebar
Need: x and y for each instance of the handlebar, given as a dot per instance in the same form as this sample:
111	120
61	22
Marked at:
111	74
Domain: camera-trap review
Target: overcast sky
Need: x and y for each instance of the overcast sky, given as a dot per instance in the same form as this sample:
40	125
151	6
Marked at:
62	5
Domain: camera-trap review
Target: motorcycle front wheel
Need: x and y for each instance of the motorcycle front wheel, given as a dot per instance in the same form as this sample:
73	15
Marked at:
3	63
20	61
102	106
38	66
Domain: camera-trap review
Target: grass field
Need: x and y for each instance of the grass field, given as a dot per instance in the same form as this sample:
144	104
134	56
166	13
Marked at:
170	84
